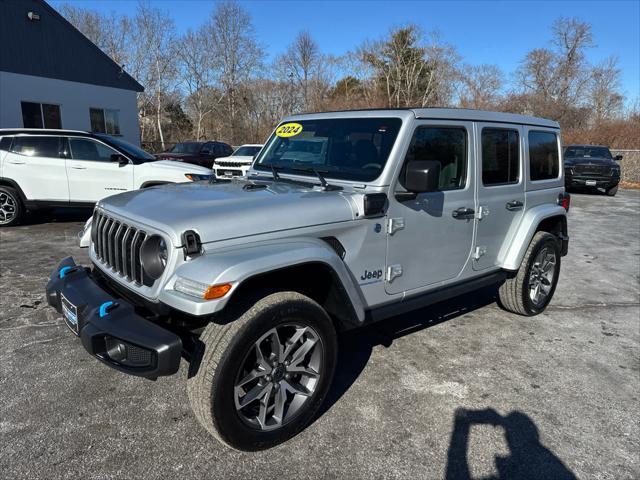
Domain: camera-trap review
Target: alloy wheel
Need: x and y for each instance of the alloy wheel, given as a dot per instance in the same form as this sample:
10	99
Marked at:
7	208
278	376
541	276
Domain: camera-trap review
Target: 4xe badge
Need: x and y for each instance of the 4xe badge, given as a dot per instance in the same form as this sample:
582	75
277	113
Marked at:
373	276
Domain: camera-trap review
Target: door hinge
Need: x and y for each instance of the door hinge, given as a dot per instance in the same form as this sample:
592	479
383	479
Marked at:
479	251
395	224
482	212
393	271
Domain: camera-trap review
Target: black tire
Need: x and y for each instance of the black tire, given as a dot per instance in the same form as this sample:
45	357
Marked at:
514	293
10	203
221	353
611	192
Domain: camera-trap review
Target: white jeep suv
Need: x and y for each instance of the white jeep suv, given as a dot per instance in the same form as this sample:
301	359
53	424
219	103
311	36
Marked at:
238	163
62	168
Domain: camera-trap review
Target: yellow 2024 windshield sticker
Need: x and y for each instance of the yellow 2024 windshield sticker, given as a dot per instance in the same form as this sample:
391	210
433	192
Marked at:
288	130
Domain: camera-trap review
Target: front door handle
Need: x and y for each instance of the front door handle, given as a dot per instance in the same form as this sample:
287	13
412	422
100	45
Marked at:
514	205
463	213
78	167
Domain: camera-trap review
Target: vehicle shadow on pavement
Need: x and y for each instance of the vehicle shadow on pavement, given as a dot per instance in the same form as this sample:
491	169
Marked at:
355	347
527	458
57	215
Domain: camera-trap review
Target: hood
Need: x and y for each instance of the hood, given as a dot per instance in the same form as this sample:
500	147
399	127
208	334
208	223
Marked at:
177	167
236	158
222	211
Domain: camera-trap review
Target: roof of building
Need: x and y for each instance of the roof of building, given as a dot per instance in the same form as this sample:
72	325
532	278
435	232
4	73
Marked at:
53	48
437	114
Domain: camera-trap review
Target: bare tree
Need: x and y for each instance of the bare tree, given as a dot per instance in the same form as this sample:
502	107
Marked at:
481	86
234	45
155	54
197	72
302	60
111	33
604	90
556	80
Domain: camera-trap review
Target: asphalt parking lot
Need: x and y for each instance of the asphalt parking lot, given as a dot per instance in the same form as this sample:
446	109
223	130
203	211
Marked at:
462	390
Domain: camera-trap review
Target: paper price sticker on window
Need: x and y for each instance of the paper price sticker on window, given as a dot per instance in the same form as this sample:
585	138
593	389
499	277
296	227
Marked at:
288	130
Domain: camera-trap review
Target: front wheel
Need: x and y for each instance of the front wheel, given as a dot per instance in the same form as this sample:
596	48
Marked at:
259	380
529	290
11	208
611	192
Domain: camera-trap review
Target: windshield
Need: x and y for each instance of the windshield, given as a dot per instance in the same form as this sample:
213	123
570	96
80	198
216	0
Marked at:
586	152
129	149
186	147
347	149
246	151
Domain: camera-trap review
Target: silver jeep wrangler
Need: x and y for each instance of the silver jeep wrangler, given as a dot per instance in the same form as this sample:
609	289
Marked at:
345	218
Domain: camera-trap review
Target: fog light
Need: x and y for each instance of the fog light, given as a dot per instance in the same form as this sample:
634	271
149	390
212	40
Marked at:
126	353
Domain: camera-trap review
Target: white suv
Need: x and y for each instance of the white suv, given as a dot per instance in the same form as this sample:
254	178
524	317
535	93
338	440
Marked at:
61	168
238	163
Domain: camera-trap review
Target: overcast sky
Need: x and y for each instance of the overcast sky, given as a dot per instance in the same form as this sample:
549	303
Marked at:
497	32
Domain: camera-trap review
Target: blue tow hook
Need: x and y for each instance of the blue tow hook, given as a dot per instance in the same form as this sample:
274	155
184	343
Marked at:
64	270
106	307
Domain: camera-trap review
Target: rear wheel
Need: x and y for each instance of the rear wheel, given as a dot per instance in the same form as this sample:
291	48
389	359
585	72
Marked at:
611	192
531	288
11	208
259	380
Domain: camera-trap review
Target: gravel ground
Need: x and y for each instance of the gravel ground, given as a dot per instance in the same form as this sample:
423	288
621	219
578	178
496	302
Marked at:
461	390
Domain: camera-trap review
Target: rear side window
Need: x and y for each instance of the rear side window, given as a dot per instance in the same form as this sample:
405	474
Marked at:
37	146
5	143
544	162
500	156
447	145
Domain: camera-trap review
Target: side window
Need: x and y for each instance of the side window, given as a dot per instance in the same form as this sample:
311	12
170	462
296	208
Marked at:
207	149
500	156
36	146
544	162
447	145
218	150
5	143
87	149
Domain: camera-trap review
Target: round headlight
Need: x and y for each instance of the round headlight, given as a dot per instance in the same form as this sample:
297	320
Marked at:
153	255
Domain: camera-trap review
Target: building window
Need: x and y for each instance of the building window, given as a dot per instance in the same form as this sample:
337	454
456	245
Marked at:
105	121
40	115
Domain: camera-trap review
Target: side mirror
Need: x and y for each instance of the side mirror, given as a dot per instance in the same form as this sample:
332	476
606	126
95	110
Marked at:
617	158
122	161
422	176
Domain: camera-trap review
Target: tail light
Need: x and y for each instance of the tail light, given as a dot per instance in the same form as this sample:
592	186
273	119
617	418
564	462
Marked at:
564	200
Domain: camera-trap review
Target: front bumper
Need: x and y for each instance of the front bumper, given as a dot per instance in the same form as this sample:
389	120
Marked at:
108	325
604	181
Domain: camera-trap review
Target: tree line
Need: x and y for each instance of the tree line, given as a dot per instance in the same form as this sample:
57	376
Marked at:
214	81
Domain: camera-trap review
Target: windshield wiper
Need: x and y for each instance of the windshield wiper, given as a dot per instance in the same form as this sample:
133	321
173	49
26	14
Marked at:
278	178
318	173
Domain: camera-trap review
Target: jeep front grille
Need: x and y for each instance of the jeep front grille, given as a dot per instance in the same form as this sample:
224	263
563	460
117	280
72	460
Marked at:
117	247
232	164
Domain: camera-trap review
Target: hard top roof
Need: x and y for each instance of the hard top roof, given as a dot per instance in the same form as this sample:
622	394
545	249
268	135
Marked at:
433	113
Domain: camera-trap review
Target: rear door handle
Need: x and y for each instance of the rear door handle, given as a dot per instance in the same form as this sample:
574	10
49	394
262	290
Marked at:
463	213
514	205
78	167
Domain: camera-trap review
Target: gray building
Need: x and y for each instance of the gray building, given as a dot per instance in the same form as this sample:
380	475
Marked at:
52	76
